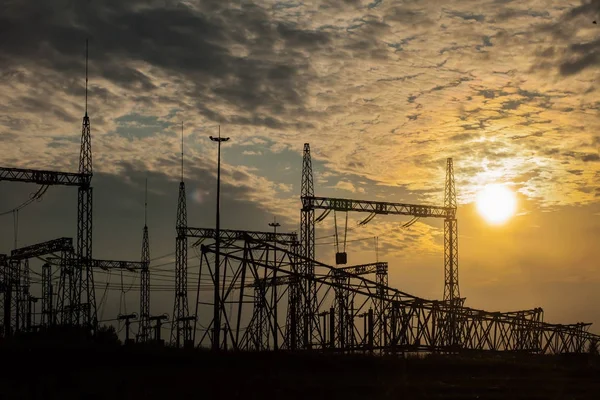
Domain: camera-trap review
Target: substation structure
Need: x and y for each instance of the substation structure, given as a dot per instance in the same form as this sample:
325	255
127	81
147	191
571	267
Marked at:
60	303
263	287
73	301
272	294
267	290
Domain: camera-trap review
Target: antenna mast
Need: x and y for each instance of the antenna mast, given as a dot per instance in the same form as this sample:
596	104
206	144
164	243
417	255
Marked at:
146	205
86	75
181	151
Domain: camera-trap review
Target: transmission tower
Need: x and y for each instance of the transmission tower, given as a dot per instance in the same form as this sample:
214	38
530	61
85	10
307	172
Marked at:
307	240
180	326
14	290
47	309
451	289
144	334
84	301
24	296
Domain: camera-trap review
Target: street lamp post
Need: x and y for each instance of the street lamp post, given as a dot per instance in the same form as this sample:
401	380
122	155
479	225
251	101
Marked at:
275	225
217	300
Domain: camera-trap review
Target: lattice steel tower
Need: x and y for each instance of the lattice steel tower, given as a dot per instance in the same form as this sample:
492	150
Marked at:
180	326
451	289
47	296
309	318
84	301
145	328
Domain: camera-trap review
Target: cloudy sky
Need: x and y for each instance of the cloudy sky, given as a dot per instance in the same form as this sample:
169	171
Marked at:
384	91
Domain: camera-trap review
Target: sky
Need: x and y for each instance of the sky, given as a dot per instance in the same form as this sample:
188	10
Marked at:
384	91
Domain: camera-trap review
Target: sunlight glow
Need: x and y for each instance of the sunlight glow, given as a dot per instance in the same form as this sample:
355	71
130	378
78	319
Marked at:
496	203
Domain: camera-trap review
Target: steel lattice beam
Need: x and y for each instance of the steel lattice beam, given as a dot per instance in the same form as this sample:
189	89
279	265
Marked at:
43	177
231	234
365	269
118	264
40	249
376	207
105	265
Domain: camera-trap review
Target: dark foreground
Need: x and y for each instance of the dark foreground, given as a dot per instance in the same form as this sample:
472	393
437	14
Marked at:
109	372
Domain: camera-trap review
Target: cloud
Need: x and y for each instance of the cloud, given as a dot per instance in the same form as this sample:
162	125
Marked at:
348	186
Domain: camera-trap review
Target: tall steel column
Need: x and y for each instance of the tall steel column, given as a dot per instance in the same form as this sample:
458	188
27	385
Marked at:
144	333
65	294
217	272
381	277
293	333
47	309
451	288
4	294
14	297
24	296
84	299
180	326
307	240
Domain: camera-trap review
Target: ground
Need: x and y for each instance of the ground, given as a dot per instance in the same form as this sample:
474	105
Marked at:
109	372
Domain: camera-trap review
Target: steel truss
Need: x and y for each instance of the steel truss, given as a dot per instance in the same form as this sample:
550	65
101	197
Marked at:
83	295
226	236
310	203
350	322
144	326
16	297
181	329
16	285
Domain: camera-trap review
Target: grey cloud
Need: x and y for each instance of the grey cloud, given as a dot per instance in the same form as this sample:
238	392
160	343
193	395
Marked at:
587	8
180	40
511	13
511	105
580	63
576	57
590	157
461	137
467	16
340	3
407	15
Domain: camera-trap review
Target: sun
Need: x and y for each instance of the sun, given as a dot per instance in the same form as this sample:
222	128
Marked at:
496	203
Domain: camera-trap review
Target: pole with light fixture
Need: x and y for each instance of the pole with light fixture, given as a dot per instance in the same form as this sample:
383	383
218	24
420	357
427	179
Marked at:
217	300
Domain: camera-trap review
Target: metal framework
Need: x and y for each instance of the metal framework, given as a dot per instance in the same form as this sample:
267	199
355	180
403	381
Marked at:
16	277
407	323
16	284
307	229
40	249
451	288
83	297
180	327
376	207
47	294
233	235
230	236
41	177
307	320
118	264
144	326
